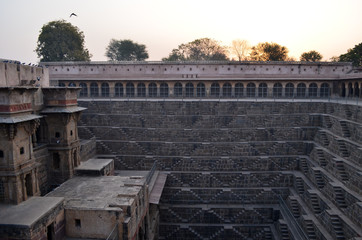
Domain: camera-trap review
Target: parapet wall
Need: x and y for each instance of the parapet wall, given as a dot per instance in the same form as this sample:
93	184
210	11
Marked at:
16	74
202	70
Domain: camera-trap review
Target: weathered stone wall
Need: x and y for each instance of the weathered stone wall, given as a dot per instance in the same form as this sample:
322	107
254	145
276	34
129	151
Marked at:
82	223
87	149
12	74
42	156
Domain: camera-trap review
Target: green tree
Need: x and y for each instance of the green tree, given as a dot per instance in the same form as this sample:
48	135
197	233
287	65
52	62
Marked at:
269	52
61	41
126	50
203	49
353	55
311	56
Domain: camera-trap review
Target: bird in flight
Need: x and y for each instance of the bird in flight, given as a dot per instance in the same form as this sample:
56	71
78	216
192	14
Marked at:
73	14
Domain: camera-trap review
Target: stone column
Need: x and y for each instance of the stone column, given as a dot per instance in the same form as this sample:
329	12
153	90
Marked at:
283	90
270	89
112	89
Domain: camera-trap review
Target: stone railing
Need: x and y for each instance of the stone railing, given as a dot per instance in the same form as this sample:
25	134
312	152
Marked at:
293	224
114	233
151	173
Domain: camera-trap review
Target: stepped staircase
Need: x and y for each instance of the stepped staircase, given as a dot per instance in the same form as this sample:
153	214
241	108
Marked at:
314	201
304	166
348	112
318	178
284	232
299	184
345	130
342	171
329	109
337	227
340	199
324	138
309	229
342	148
320	157
294	206
216	234
327	120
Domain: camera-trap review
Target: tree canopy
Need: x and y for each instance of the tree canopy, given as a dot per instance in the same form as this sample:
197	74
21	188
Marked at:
353	55
61	41
311	56
203	49
126	50
240	49
269	52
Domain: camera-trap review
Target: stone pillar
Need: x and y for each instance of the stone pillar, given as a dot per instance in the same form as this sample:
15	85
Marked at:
283	91
270	90
112	89
135	90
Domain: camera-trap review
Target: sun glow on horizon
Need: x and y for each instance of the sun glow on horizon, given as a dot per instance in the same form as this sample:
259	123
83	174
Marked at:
324	26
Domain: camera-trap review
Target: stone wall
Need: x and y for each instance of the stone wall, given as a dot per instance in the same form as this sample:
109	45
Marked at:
12	74
87	149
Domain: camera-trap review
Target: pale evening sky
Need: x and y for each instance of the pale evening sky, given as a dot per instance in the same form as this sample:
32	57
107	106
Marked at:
327	26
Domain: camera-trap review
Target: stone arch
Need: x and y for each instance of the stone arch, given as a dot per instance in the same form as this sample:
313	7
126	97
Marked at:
289	90
130	90
75	158
277	90
350	90
118	90
94	90
105	90
324	91
239	90
200	90
189	89
141	90
84	90
263	90
227	90
164	90
215	90
301	90
313	90
28	183
72	84
177	89
343	90
250	90
356	90
152	90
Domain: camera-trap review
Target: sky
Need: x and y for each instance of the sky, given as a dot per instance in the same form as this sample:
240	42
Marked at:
330	27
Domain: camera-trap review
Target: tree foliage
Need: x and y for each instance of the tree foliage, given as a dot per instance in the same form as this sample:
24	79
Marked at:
311	56
353	55
126	50
240	49
203	49
61	41
269	52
